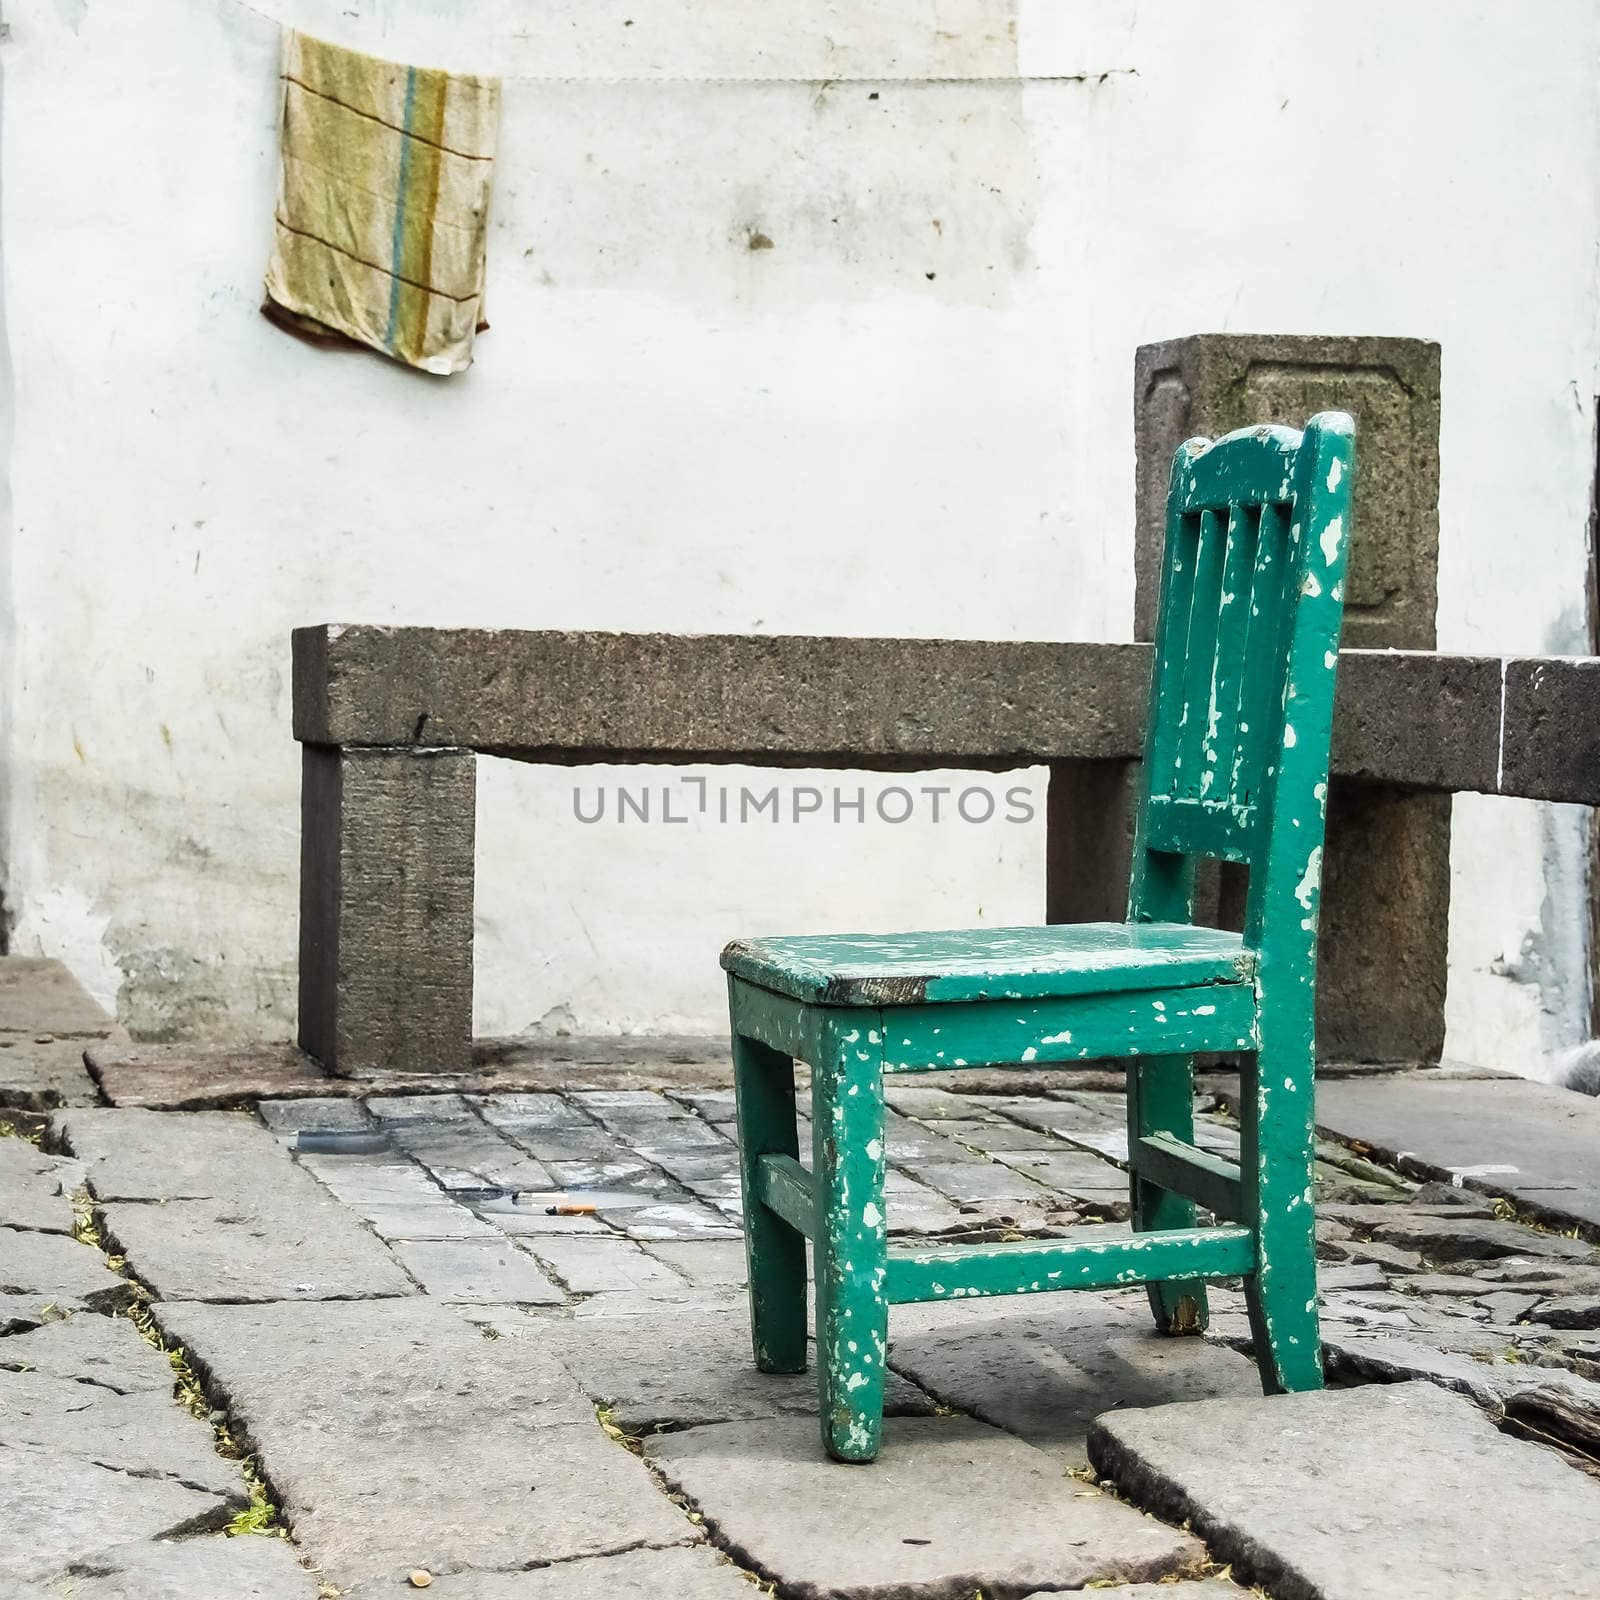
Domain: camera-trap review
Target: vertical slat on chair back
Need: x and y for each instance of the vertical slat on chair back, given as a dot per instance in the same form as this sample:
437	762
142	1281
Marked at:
1246	647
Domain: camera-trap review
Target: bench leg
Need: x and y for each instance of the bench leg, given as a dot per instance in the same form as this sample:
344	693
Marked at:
1277	1147
1161	1100
851	1242
763	1082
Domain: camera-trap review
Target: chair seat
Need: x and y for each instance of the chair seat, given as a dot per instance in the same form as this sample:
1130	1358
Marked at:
893	969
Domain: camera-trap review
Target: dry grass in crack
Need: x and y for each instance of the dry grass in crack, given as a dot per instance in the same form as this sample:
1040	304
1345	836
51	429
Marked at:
614	1431
633	1443
261	1515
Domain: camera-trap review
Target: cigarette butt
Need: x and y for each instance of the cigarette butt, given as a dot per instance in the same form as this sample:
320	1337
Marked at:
572	1208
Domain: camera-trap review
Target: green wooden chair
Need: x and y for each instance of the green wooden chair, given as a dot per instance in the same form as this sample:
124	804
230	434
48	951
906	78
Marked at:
1236	769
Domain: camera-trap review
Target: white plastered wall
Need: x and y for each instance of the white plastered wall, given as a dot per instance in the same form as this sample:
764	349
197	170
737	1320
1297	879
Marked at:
910	415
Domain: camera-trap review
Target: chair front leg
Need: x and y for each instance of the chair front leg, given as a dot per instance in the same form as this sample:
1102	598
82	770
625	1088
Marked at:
1277	1149
1161	1100
775	1253
851	1236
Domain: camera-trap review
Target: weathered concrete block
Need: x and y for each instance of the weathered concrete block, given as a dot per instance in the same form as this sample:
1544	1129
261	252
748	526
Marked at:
1211	383
787	700
1385	904
1384	947
1414	718
1420	720
1552	735
386	895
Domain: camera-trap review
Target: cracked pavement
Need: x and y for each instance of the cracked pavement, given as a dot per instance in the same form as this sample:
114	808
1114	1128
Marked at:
428	1373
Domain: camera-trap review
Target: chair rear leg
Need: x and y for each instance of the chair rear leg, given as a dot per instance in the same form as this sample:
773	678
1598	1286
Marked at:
1277	1148
1161	1100
763	1081
851	1247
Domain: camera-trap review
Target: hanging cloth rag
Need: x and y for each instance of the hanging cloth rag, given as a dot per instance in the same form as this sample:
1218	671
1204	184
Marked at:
383	203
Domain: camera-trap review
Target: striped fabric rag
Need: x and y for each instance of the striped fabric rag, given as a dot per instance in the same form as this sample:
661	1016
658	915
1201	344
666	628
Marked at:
383	203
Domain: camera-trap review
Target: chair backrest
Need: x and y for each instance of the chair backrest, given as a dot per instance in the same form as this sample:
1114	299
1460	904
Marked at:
1241	704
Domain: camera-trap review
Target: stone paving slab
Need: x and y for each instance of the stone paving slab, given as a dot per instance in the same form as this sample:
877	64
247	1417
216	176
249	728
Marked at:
145	1435
39	996
34	1188
365	1180
43	1077
594	1266
951	1507
695	1573
152	1155
525	1221
1445	1240
1196	1589
203	1567
657	1304
399	1437
20	1313
1044	1375
705	1263
688	1369
1529	1141
297	1245
1349	1494
288	1118
429	1221
59	1268
477	1271
673	1220
239	1219
188	1077
108	1352
1364	1356
74	1510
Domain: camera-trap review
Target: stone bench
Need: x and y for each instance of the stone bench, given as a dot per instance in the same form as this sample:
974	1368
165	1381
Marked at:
391	721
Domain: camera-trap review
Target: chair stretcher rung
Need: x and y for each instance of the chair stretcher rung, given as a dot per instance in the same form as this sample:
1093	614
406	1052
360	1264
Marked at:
1208	1180
1095	1258
785	1186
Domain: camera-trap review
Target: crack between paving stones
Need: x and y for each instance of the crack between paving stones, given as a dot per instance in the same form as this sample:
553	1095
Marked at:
65	1377
364	1224
261	1499
693	1513
564	1561
158	1474
1136	1483
681	1196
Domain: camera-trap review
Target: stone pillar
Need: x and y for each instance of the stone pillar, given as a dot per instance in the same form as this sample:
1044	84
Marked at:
1386	897
1088	840
386	892
1215	382
1386	894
